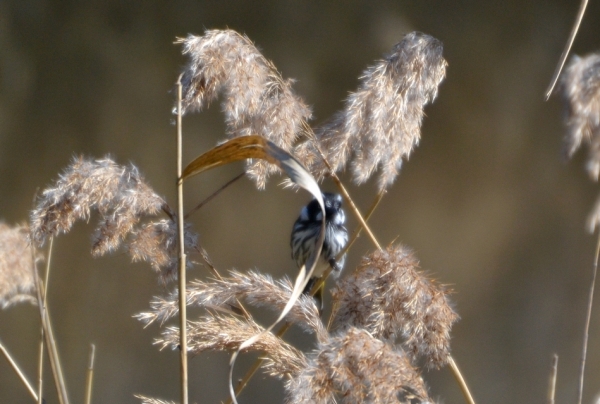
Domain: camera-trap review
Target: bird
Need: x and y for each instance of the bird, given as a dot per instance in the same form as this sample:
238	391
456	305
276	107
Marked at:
306	232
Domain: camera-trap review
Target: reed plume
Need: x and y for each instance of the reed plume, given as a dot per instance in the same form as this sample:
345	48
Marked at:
16	266
390	298
355	367
257	289
215	332
119	194
381	122
580	88
156	243
121	197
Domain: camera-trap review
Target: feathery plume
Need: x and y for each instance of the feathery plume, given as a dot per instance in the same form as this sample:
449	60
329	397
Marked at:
390	298
257	100
226	333
381	122
122	198
255	288
156	243
16	266
580	87
118	193
357	368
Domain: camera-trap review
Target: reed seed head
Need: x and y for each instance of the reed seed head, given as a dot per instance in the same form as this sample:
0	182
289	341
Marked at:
119	194
157	243
357	368
389	297
580	87
17	283
381	122
253	287
226	333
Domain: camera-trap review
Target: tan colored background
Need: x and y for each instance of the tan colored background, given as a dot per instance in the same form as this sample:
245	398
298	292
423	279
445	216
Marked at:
485	200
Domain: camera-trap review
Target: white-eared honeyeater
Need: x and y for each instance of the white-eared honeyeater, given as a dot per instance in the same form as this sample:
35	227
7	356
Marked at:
306	231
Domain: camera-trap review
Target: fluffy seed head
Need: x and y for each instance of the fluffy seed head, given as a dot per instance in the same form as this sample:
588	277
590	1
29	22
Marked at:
119	194
389	297
256	99
157	244
580	87
226	333
357	368
381	122
16	266
121	198
253	287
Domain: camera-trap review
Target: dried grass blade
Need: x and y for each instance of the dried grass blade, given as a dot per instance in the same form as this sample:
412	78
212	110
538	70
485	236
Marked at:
241	148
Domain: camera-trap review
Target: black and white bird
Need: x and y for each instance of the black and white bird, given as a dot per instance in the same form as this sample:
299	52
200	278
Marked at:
306	231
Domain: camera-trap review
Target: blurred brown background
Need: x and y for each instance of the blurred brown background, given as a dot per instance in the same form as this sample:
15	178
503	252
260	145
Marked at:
485	201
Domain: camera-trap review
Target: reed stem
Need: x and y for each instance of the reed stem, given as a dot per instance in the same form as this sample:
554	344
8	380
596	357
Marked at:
182	258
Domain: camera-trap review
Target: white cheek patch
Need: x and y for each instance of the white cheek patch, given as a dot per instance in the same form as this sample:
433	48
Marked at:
341	238
340	218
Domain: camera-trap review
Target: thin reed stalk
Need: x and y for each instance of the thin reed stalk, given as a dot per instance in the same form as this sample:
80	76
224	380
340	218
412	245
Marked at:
41	368
460	380
357	232
214	194
89	378
553	377
586	329
216	273
182	257
55	364
18	371
41	357
567	49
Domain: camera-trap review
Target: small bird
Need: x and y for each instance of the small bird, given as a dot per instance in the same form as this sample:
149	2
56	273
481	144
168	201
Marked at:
305	234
